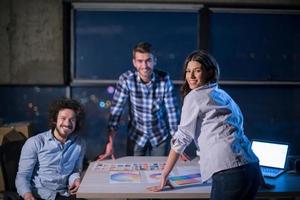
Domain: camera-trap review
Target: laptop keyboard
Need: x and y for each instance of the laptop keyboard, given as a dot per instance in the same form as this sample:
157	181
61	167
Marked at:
271	172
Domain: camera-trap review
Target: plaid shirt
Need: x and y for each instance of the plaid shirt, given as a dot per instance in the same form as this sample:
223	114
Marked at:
153	109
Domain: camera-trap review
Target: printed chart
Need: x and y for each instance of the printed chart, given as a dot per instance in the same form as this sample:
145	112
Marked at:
98	166
131	173
186	179
124	177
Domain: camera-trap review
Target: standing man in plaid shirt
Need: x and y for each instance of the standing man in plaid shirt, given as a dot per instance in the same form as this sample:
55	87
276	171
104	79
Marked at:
153	109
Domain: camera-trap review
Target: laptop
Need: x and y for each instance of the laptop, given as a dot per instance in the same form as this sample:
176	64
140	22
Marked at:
272	157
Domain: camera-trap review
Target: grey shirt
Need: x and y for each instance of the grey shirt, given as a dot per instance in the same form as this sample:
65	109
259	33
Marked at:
214	121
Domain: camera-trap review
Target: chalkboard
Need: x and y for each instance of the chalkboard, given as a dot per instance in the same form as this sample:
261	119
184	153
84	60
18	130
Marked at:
270	112
103	41
256	46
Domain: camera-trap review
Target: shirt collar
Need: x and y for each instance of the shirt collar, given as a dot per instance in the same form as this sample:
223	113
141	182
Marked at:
140	80
50	136
206	86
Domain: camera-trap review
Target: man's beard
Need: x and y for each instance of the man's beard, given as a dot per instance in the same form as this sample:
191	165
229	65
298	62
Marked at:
63	134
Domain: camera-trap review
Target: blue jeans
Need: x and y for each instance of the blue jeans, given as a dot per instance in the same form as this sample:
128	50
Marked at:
148	150
237	183
60	197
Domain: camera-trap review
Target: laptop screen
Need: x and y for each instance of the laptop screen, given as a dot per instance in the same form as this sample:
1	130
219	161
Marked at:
270	154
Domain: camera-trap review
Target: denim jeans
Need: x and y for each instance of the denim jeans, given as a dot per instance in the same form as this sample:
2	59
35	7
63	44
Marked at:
135	150
60	197
237	183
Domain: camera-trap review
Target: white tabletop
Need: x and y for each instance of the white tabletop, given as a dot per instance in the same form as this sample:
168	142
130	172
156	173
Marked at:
96	184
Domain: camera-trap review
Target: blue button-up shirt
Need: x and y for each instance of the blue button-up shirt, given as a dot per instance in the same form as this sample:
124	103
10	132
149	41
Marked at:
211	118
153	109
47	167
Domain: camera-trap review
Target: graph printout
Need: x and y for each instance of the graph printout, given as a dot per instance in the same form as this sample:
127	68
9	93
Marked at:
124	177
186	179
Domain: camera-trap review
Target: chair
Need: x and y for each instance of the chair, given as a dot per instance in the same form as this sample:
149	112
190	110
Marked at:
9	159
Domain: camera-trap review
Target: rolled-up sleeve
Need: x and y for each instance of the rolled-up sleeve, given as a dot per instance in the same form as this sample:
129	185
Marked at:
187	127
180	141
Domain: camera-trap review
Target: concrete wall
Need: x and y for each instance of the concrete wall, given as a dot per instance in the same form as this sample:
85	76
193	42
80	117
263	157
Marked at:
31	38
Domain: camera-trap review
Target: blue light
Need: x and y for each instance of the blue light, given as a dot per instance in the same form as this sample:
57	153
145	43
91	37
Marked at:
101	104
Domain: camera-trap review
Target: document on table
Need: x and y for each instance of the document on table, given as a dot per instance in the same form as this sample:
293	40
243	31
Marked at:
186	175
124	177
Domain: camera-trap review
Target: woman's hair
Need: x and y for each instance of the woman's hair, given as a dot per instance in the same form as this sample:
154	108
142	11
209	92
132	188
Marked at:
66	103
208	64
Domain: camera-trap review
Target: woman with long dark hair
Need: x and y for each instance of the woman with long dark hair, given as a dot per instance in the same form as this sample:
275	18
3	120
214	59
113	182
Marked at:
214	121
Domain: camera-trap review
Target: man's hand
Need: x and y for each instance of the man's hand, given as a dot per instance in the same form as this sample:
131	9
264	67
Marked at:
74	187
28	196
109	147
109	151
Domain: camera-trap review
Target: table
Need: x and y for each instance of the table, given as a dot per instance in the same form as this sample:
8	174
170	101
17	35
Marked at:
95	184
287	185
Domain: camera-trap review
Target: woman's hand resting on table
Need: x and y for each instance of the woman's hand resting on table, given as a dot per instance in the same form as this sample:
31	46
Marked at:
163	183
